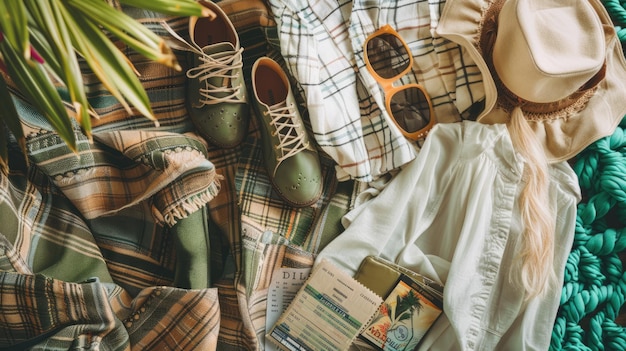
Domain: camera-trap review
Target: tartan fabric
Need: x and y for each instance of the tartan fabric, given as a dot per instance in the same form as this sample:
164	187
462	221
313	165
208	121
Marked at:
94	231
58	290
57	308
130	160
86	255
267	233
322	43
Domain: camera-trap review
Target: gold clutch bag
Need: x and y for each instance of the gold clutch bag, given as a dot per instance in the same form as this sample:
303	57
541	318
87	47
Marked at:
381	276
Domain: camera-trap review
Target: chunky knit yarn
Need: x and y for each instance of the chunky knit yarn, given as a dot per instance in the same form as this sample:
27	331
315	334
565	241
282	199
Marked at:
594	290
616	10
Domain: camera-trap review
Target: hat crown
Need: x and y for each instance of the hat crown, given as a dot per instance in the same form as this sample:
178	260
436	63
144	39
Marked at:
545	50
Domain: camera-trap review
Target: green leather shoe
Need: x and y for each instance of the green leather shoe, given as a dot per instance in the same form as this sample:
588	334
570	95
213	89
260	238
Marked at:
216	92
292	162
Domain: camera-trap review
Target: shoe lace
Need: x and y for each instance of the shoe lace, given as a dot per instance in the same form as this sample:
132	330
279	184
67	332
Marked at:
283	120
221	65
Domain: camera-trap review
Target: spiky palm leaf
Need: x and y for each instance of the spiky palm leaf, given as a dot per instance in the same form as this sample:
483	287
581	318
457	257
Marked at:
40	41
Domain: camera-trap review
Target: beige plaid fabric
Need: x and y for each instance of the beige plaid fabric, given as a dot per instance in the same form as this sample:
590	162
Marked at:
87	241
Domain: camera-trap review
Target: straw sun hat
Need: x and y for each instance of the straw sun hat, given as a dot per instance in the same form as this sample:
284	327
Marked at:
559	62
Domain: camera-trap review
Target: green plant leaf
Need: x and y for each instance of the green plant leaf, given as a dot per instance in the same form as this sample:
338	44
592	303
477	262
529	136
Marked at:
13	25
44	48
168	7
128	30
4	149
404	316
9	118
32	80
59	30
109	64
8	112
47	17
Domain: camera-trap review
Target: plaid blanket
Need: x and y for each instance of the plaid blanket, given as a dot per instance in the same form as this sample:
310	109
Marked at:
91	243
322	43
86	245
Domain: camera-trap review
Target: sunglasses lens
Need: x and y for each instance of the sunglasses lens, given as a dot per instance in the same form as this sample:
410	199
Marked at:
387	55
410	109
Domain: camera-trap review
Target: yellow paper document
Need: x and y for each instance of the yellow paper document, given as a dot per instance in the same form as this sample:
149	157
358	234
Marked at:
328	312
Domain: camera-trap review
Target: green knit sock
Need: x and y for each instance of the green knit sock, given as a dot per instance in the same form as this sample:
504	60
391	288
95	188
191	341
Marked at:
191	239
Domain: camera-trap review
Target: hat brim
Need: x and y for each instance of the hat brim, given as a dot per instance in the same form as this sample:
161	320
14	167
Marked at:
563	137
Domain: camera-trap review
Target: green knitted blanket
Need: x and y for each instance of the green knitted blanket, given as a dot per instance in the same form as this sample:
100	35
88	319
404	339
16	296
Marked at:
595	281
594	290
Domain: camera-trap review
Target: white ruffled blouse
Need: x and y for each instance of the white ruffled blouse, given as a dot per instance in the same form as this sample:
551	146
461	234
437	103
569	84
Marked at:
452	215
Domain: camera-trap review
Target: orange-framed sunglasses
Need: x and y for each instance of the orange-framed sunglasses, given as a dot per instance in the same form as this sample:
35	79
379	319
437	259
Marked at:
388	58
